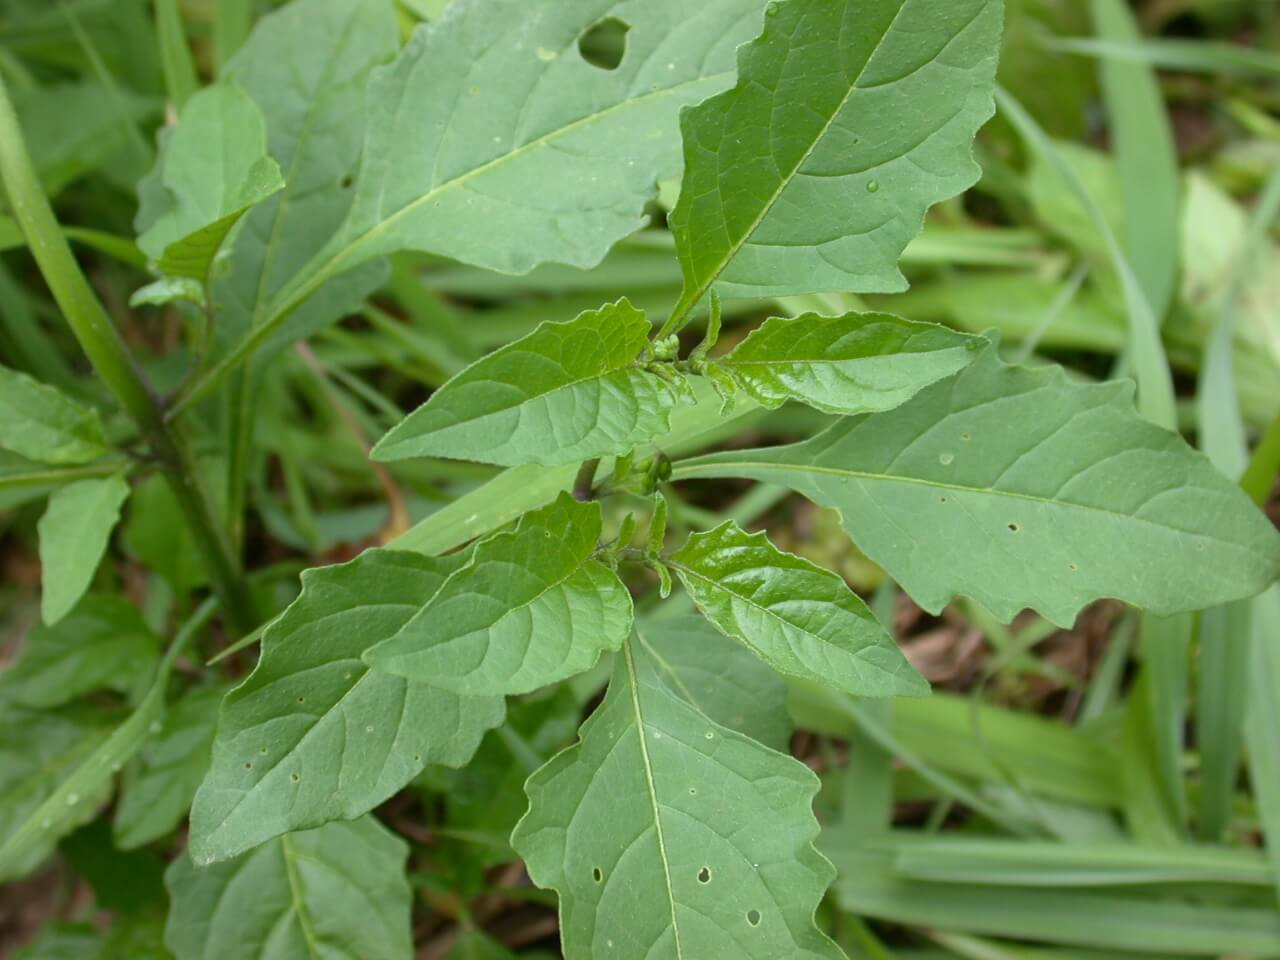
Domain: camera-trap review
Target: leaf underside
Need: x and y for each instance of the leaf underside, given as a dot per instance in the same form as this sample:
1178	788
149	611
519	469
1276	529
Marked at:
491	115
1020	488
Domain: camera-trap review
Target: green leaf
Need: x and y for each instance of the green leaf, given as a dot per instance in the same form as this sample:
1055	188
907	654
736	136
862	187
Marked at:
338	892
74	532
168	290
46	425
214	168
307	66
313	734
849	120
156	533
102	644
38	750
492	116
857	363
532	607
158	788
667	835
799	618
1019	488
718	677
567	392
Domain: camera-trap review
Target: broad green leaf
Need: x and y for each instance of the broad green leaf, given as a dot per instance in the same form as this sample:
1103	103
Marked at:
38	751
74	532
530	608
102	644
491	116
337	893
214	168
306	66
857	363
313	734
849	120
800	618
565	393
44	424
667	835
159	786
718	677
1019	488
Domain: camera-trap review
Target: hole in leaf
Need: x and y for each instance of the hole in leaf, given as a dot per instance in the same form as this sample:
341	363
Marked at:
1075	566
302	699
294	777
942	499
704	875
347	181
1014	528
753	917
605	43
597	875
248	765
263	751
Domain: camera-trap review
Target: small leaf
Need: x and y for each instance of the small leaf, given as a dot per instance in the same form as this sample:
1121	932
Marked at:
532	607
338	892
667	835
799	618
850	118
74	533
44	424
102	644
857	363
214	168
1020	488
718	677
158	788
567	392
168	290
313	734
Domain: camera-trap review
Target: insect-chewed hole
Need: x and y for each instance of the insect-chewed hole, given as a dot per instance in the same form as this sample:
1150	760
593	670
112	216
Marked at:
604	43
597	874
295	777
1014	528
346	182
704	875
753	917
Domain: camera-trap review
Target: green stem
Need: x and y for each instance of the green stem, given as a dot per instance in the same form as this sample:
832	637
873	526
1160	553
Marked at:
584	484
111	359
1260	475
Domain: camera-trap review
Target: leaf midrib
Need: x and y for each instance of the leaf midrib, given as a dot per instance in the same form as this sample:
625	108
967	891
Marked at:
689	300
293	293
633	682
693	469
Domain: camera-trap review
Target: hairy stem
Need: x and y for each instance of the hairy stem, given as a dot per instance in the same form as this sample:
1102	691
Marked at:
111	359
